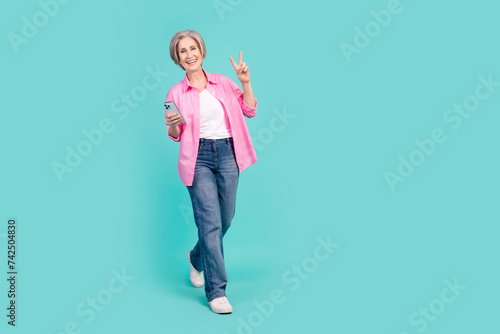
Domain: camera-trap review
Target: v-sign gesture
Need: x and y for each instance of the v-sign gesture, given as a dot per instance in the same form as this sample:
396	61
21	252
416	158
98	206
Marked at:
242	71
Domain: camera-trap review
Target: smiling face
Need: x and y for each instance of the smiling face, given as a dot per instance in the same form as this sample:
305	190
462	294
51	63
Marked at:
189	54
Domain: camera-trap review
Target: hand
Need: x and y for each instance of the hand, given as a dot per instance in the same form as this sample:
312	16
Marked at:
242	71
173	119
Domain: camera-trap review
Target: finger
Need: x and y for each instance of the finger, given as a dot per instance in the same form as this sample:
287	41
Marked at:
232	61
243	65
174	122
241	57
172	117
178	121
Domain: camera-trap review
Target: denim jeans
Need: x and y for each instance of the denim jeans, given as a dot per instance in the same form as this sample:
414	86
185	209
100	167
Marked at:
213	195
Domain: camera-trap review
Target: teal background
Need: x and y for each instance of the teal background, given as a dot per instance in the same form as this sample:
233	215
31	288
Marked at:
125	207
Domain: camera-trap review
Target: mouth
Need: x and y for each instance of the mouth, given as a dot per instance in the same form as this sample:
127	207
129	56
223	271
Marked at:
191	62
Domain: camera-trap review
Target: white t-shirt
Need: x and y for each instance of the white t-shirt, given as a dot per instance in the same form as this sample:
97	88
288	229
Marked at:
213	120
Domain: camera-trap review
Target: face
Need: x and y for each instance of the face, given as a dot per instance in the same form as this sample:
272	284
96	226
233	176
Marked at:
189	54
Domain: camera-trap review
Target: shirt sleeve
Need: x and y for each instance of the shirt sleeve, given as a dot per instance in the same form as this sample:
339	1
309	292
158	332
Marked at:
247	111
181	126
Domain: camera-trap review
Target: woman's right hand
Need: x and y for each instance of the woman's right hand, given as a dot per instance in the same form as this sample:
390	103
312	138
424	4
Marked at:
173	119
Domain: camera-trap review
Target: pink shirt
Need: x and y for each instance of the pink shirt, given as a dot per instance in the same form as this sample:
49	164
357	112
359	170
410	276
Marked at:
187	99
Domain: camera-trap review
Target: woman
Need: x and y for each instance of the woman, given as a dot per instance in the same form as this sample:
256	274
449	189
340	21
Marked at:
215	147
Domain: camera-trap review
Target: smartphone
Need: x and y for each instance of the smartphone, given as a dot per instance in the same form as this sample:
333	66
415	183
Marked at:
171	107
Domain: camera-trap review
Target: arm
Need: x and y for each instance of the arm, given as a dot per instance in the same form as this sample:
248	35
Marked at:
174	126
242	99
247	100
248	96
174	132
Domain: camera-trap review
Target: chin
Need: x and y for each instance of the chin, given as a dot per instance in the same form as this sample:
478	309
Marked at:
193	68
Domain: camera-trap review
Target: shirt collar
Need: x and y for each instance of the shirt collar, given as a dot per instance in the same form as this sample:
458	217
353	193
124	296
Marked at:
185	83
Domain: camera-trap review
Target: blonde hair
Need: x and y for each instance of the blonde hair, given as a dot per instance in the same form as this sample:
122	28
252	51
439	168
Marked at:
174	53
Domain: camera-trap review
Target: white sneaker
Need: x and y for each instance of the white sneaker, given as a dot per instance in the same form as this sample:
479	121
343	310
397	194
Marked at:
221	305
195	276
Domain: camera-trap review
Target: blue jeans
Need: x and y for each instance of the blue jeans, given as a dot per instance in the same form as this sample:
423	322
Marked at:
213	195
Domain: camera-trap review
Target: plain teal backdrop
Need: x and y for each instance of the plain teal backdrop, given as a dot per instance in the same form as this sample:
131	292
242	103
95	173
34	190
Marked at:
346	89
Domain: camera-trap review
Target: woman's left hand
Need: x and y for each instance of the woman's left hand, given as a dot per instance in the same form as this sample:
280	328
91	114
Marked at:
242	71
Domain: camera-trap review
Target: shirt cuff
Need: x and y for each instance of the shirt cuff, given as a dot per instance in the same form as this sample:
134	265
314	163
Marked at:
249	111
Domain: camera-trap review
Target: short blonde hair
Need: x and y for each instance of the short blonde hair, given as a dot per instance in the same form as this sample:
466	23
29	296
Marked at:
174	53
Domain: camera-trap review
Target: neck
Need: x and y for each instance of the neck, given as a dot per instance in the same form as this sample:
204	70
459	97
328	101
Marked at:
196	77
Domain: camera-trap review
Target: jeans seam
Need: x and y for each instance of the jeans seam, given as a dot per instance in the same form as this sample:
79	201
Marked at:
195	215
202	253
214	154
208	282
